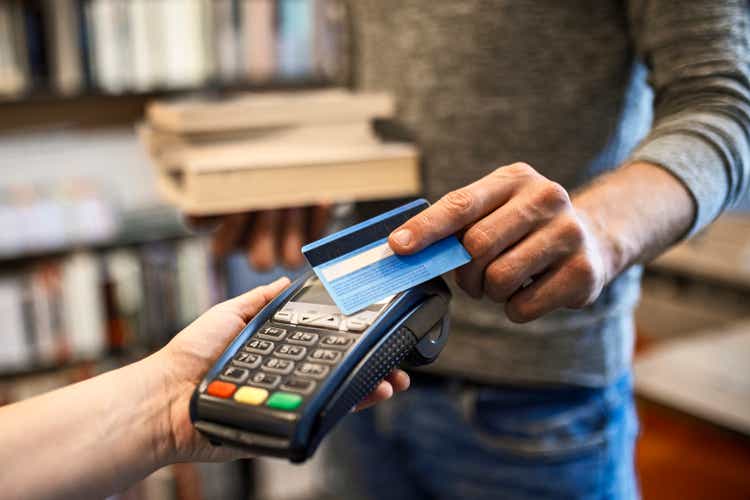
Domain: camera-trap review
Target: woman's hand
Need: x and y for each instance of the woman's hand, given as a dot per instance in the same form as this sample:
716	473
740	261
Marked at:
530	247
187	358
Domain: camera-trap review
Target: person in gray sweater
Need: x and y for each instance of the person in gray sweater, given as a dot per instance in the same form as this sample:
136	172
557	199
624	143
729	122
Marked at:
566	143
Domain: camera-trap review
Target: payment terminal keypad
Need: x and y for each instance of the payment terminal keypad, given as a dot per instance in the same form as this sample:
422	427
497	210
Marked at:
282	364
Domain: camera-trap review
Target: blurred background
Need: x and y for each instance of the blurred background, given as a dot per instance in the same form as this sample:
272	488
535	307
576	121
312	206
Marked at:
96	271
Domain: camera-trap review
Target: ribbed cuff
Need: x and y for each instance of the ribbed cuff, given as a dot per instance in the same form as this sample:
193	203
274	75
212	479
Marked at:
697	164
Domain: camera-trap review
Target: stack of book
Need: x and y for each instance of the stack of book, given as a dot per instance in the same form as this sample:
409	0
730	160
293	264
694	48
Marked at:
116	46
273	150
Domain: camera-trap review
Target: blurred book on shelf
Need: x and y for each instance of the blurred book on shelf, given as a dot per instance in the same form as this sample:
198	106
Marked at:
69	47
42	218
270	150
706	375
88	304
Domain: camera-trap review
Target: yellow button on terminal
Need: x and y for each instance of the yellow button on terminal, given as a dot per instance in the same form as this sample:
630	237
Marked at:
250	395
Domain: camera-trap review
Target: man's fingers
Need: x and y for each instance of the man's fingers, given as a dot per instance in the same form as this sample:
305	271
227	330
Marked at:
320	215
262	246
249	303
201	222
451	213
491	236
228	235
547	293
292	236
530	257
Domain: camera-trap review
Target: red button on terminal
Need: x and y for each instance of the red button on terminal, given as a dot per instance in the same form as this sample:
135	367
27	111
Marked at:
220	389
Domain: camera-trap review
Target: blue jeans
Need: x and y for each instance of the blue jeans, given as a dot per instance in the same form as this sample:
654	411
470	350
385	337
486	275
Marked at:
447	440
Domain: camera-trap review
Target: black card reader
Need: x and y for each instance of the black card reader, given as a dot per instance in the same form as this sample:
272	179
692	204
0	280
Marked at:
300	365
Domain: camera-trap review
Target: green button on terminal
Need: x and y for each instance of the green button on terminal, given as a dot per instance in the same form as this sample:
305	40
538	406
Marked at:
284	401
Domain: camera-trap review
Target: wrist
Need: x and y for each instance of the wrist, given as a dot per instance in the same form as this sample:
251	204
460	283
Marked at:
160	399
606	241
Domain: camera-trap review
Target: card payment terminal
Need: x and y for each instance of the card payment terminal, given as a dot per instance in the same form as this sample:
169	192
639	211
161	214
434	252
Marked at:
300	365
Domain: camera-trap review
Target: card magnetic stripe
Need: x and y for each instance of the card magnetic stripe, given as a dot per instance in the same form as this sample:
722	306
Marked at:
361	234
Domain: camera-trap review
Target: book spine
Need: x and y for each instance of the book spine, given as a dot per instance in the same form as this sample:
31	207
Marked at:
184	52
62	20
226	41
295	38
12	74
15	351
83	306
259	39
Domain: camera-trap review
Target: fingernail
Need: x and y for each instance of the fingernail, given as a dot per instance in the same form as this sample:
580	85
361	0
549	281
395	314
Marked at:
402	237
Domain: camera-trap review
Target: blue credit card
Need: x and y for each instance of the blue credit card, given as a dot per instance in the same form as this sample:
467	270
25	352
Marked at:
358	268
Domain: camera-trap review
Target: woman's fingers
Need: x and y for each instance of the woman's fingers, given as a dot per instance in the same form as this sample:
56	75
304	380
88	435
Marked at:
397	381
249	303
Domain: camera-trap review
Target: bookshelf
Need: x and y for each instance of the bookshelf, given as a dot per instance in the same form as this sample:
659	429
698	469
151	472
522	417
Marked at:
68	49
75	78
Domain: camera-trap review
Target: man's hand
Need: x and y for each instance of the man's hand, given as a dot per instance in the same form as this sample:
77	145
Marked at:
268	236
186	359
530	247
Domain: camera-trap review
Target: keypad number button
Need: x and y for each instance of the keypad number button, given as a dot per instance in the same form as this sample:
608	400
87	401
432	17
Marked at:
267	380
291	352
276	365
312	370
325	356
247	360
272	333
338	341
303	338
260	346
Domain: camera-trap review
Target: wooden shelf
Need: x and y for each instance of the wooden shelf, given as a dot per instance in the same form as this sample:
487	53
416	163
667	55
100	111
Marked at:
99	109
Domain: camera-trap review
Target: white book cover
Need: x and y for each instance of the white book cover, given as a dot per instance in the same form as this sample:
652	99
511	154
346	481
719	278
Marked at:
144	46
83	306
108	68
183	33
124	269
15	349
193	279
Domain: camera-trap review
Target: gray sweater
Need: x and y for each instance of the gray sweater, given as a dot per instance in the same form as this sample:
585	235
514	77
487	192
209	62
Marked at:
574	88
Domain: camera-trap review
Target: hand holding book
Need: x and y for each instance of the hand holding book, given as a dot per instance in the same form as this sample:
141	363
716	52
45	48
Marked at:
267	236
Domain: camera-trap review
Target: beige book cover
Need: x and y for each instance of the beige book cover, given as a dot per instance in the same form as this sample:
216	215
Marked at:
258	18
226	180
268	109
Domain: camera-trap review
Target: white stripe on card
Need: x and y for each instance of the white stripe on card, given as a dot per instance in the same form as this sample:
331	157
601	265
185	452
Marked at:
346	266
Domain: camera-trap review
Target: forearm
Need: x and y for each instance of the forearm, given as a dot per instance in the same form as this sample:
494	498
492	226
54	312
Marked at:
637	211
87	440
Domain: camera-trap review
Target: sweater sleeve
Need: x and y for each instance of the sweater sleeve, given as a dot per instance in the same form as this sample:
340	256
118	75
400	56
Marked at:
698	52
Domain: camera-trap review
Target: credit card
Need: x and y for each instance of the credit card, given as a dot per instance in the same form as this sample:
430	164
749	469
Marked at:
358	268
